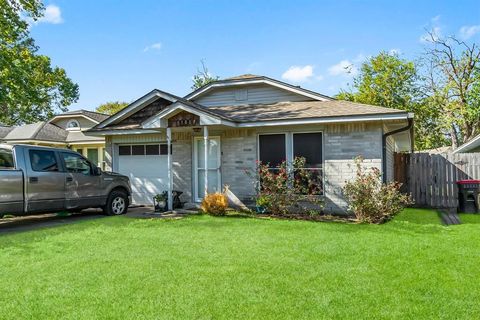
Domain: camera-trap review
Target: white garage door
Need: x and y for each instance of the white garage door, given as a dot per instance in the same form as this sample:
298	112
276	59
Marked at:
146	166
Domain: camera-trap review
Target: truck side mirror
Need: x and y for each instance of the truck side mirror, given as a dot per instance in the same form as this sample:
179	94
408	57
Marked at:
96	171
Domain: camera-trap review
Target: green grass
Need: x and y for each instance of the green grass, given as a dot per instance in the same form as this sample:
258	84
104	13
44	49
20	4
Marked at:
469	218
224	268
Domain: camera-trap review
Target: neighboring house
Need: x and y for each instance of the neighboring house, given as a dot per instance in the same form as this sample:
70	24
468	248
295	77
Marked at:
469	147
241	120
65	130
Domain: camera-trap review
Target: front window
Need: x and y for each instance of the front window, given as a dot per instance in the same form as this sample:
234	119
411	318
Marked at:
272	149
309	147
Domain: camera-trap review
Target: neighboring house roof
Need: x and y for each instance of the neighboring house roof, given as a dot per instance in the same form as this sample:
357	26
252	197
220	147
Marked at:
96	116
4	131
470	146
42	131
254	79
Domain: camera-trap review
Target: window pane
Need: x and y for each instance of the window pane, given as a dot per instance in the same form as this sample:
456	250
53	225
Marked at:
309	146
138	150
76	164
43	160
6	159
124	150
92	155
152	150
272	149
164	149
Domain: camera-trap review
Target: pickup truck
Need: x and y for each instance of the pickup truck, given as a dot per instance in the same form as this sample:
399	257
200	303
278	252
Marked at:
35	179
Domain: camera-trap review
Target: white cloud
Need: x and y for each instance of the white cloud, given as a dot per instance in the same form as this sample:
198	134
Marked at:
154	46
344	67
466	32
52	14
298	73
435	31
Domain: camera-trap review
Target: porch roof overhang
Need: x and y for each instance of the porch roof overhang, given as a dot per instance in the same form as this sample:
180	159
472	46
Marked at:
207	118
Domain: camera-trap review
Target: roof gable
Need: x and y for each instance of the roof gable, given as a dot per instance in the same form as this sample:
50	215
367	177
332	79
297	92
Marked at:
135	107
239	81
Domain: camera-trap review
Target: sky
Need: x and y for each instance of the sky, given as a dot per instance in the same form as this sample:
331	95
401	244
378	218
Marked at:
120	50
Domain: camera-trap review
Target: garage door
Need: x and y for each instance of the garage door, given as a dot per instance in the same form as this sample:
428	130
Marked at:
146	166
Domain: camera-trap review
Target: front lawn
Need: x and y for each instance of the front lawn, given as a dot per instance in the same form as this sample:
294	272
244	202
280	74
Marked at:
205	267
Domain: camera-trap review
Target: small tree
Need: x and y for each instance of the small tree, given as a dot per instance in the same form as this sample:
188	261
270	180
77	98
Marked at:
202	77
372	201
288	186
111	107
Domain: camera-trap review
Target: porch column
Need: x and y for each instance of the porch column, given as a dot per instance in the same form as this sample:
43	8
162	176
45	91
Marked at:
169	169
205	146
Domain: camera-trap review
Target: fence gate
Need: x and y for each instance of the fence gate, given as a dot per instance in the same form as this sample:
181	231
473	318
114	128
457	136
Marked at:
431	178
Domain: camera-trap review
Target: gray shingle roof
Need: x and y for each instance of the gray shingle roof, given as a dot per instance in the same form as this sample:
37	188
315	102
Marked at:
91	114
37	131
299	110
4	131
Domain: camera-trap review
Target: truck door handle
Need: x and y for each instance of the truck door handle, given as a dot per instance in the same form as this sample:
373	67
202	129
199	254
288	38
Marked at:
33	179
69	179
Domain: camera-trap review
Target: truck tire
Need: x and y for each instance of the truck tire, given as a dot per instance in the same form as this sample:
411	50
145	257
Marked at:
117	203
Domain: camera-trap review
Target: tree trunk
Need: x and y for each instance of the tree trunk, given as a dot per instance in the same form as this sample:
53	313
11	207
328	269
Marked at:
454	137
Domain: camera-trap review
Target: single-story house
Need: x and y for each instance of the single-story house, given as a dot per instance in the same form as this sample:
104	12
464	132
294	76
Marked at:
65	130
210	137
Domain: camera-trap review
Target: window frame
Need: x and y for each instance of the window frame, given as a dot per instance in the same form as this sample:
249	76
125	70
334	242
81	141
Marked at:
131	145
269	134
289	148
76	128
322	165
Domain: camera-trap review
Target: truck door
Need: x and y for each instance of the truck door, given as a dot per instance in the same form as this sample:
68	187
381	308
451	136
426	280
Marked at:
83	188
45	185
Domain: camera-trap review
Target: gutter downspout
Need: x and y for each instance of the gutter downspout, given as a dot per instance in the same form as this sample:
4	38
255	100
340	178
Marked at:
384	145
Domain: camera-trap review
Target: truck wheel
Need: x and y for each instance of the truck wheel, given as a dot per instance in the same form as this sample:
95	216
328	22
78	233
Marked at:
117	203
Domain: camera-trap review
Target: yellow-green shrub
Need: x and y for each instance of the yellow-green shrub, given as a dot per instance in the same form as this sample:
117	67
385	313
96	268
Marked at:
215	204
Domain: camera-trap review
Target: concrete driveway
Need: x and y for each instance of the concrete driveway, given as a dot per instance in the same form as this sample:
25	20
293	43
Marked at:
26	223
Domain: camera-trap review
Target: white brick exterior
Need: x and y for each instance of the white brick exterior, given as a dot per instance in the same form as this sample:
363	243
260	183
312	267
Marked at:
341	144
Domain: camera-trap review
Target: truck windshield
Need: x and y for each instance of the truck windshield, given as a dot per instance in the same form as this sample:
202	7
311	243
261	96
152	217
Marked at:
6	159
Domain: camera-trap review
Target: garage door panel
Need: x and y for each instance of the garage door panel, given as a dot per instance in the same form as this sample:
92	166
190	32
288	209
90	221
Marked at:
148	176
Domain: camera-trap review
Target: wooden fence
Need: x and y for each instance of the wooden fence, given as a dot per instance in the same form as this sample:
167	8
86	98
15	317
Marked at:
431	178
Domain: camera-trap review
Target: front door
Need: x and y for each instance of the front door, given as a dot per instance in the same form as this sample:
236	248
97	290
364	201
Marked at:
212	166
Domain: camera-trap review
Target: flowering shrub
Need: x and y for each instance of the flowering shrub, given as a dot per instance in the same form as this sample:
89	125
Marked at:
287	187
215	204
371	200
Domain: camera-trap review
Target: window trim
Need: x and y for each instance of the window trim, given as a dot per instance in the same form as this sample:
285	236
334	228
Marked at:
145	149
77	128
289	148
322	193
269	134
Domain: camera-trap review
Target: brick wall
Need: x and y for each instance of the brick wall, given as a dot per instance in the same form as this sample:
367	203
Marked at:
182	168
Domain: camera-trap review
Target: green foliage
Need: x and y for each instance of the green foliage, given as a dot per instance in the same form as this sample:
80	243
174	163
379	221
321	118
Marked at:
202	77
389	81
111	107
31	89
288	188
371	200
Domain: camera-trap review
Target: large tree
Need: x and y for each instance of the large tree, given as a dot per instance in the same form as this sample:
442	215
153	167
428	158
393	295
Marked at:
31	89
202	77
111	107
451	84
390	81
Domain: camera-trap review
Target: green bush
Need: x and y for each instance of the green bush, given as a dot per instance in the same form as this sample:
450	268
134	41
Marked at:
371	200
